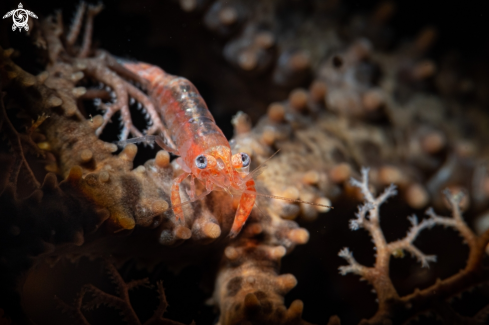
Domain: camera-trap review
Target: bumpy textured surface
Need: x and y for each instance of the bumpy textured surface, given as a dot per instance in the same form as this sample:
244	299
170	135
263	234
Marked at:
359	107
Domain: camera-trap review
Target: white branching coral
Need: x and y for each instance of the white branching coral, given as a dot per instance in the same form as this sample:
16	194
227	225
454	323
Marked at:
368	217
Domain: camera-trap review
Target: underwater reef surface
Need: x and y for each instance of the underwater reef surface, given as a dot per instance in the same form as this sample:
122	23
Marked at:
373	121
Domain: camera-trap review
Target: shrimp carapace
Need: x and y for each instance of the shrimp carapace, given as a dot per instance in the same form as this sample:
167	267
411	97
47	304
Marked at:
204	151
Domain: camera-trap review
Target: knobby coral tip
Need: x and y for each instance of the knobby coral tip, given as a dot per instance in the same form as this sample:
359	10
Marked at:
286	282
291	192
44	146
162	159
248	60
299	61
79	91
372	100
28	80
42	77
188	5
140	169
111	147
433	142
325	202
212	230
255	228
104	176
340	173
182	232
311	177
276	112
264	39
299	236
298	99
417	196
295	310
160	206
318	90
86	155
75	173
231	253
50	182
77	76
96	121
122	221
129	152
277	252
268	136
228	15
54	101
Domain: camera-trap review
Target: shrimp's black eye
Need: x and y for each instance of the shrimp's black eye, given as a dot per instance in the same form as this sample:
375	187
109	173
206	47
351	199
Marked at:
245	159
201	162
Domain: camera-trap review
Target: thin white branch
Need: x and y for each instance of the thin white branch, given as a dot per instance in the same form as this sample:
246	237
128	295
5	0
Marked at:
456	221
442	221
388	192
416	227
353	266
407	242
358	223
363	185
420	256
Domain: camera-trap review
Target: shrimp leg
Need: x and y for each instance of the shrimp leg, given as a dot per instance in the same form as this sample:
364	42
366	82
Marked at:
177	207
245	206
176	202
191	192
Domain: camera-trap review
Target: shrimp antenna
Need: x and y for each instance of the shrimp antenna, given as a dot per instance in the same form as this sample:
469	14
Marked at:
261	166
287	199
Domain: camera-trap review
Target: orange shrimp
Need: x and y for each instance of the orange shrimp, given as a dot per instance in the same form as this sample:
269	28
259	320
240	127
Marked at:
204	151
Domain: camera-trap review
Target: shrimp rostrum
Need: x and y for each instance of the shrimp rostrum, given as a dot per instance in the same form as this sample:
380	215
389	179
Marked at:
203	150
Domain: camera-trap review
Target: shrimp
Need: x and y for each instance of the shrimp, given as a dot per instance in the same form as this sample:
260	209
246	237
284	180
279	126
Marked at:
203	150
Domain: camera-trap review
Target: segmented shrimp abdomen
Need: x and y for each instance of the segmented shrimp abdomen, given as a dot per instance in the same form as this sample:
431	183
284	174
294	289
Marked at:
184	111
187	115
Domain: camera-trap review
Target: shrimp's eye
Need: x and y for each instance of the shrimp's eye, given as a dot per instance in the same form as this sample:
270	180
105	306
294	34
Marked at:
201	162
245	159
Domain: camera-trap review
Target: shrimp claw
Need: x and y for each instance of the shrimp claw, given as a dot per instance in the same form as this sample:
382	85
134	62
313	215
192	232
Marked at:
245	206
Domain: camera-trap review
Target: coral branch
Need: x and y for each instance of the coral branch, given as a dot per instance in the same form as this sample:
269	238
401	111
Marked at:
378	275
354	267
76	24
16	140
121	302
